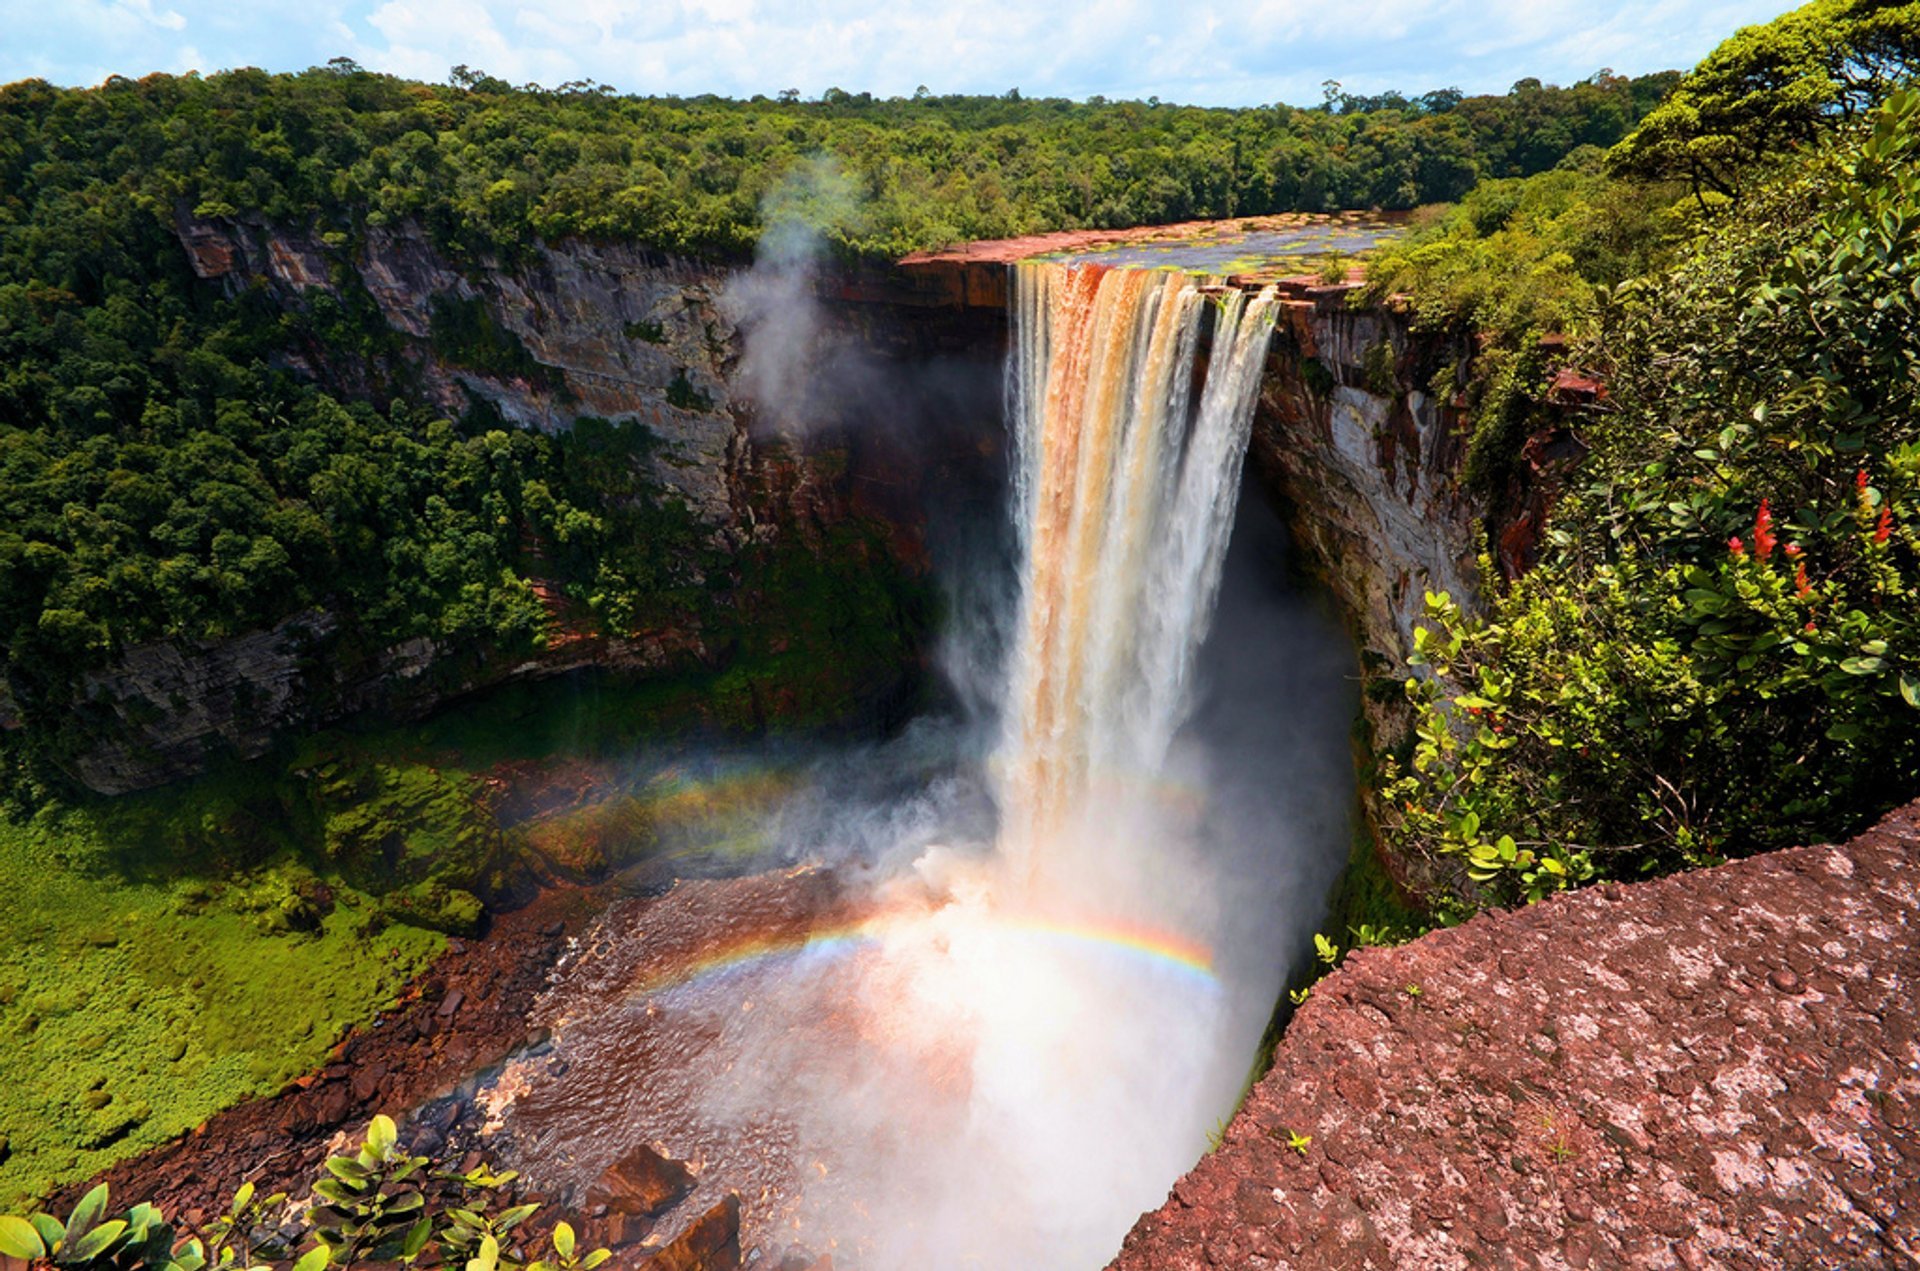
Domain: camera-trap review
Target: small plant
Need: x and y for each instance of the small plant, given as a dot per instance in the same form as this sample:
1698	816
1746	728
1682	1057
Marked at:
565	1254
88	1239
244	1236
1412	990
371	1206
479	1229
1326	950
1299	996
1299	1142
376	1205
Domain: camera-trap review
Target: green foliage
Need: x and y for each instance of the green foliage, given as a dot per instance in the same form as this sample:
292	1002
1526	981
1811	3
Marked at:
378	1205
489	168
371	1207
1721	651
465	332
1772	88
136	1005
1514	264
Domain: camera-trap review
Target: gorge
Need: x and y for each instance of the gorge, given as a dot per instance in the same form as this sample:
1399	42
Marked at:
962	681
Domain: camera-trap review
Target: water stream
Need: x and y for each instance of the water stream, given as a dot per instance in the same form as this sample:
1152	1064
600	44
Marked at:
1014	963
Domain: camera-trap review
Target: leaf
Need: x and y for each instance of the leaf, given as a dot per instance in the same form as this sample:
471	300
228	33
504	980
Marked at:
86	1214
334	1190
417	1237
95	1242
314	1259
486	1260
51	1232
381	1135
18	1239
595	1258
562	1239
1862	666
512	1218
1910	690
240	1199
346	1169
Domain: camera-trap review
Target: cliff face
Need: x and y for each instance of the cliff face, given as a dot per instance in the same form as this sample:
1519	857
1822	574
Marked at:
1366	462
614	331
617	331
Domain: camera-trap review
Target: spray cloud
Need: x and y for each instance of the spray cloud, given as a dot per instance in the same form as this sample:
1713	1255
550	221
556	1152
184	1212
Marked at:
794	367
1037	982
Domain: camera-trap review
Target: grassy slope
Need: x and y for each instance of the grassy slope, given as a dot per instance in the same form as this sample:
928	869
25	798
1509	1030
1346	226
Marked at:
134	1009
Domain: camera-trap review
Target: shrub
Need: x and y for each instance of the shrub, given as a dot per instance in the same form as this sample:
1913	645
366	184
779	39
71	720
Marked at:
1721	651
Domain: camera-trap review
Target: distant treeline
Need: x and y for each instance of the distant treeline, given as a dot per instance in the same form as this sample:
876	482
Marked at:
487	166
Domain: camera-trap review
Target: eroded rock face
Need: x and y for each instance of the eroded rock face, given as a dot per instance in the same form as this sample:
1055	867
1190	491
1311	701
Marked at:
623	332
1717	1069
1367	463
610	330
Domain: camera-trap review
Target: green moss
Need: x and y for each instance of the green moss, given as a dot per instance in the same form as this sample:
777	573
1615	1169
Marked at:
133	1009
682	393
464	331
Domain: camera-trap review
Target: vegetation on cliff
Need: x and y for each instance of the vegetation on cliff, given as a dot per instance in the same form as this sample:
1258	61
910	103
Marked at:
1718	650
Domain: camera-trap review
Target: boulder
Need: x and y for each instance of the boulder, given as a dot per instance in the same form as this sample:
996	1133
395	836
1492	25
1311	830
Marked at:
643	1182
712	1243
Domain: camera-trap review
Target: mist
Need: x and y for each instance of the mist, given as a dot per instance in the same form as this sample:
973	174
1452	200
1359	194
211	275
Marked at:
795	367
989	985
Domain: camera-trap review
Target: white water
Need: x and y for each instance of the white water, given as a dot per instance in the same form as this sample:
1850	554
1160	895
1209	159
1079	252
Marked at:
1019	1055
1123	505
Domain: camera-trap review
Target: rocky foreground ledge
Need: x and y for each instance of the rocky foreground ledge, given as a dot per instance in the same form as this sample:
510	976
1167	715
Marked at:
1718	1069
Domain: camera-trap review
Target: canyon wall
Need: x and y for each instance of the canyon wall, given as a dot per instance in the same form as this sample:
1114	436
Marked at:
1351	439
614	331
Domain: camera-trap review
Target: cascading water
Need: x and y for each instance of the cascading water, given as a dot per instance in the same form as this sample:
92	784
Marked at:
993	1045
1123	512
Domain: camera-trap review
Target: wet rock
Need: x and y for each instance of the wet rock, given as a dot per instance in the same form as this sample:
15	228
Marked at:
643	1182
711	1243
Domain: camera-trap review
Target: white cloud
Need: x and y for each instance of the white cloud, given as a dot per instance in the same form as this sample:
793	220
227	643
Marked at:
1213	51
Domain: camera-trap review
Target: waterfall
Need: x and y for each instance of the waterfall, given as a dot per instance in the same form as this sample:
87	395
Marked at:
1123	491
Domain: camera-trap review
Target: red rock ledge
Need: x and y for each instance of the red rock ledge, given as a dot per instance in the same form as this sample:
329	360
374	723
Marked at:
1718	1069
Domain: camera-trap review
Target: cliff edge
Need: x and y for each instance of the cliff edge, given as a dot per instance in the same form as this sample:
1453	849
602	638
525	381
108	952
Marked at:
1717	1069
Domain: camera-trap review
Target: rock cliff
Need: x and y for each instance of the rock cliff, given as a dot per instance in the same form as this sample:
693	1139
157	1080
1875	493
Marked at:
1717	1069
608	330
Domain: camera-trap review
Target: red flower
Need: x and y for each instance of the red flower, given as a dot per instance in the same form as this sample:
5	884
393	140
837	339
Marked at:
1800	583
1860	481
1810	628
1885	525
1792	550
1736	547
1763	539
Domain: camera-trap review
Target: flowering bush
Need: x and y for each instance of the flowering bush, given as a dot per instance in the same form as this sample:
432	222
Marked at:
1720	650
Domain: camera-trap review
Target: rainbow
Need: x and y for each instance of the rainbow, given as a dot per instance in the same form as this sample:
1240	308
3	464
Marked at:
1153	950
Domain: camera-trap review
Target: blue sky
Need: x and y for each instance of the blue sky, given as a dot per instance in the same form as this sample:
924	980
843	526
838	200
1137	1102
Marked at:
1212	52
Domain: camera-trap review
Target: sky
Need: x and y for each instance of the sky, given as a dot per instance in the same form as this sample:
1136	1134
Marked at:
1205	52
